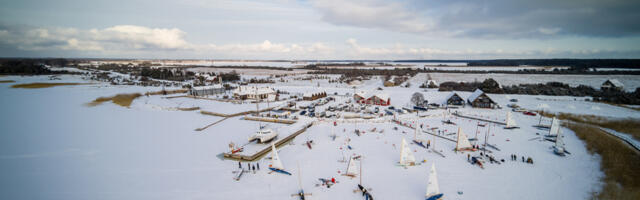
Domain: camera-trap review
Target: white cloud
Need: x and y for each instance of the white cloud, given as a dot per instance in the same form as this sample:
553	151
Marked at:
371	14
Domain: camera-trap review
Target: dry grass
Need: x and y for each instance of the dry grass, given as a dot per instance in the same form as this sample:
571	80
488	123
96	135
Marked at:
189	109
620	163
7	81
43	85
167	92
123	100
629	125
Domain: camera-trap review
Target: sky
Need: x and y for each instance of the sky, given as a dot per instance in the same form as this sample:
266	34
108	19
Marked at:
320	29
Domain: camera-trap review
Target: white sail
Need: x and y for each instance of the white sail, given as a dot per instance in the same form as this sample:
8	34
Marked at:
352	168
510	121
275	159
555	127
559	141
406	157
463	142
432	186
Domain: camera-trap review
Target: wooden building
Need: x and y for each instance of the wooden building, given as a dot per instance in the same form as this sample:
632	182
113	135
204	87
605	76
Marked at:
480	100
206	90
309	96
612	84
454	99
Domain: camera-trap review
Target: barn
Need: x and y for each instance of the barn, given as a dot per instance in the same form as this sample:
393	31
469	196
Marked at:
207	90
612	84
454	99
480	100
381	99
310	96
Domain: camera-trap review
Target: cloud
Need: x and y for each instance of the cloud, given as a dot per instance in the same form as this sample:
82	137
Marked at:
371	14
489	19
124	39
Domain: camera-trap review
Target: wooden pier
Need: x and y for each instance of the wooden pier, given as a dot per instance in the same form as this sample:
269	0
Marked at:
272	120
267	148
479	119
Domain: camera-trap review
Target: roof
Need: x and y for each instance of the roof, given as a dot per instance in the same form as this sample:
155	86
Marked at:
615	82
383	96
216	86
431	81
475	95
247	90
310	94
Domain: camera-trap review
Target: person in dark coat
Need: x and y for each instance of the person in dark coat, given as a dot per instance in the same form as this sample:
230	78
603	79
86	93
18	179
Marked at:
522	158
258	165
239	165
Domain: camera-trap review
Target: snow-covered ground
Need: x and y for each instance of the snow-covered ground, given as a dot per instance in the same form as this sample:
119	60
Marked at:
52	146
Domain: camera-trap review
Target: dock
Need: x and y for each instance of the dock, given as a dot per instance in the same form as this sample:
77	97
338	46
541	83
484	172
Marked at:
479	119
267	148
272	120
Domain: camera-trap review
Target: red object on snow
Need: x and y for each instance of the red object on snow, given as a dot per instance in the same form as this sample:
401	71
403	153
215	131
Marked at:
333	180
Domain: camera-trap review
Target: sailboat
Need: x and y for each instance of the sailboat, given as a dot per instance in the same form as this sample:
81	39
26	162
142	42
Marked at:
555	128
276	164
415	138
511	123
352	168
300	193
558	147
433	189
406	157
463	143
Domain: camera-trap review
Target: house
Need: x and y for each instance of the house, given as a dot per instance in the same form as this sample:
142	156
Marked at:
432	83
206	90
256	93
310	96
381	99
453	99
480	100
612	85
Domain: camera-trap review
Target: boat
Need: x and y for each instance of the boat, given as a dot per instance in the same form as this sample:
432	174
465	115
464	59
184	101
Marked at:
433	189
406	157
558	147
276	164
263	135
554	130
511	123
352	169
462	142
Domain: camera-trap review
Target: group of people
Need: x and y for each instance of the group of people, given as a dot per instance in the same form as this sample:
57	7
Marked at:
250	166
514	157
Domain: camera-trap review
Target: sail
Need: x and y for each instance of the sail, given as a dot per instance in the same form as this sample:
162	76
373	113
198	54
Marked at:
510	121
555	127
275	160
432	186
352	168
463	142
406	157
559	141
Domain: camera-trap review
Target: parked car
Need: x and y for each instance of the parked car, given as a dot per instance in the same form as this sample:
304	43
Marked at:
529	113
513	100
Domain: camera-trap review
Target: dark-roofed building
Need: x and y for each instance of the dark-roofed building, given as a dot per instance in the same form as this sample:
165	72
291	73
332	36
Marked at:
480	100
612	84
454	99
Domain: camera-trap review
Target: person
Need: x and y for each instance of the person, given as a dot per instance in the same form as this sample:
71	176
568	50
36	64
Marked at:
522	158
239	165
253	168
249	165
468	157
258	165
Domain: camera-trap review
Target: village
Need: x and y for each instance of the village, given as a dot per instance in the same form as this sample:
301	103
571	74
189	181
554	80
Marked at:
315	137
351	128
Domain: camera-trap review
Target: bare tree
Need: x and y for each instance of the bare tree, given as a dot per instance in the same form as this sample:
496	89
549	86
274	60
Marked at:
417	99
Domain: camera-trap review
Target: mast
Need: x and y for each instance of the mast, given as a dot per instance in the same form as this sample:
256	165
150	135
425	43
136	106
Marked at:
361	158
